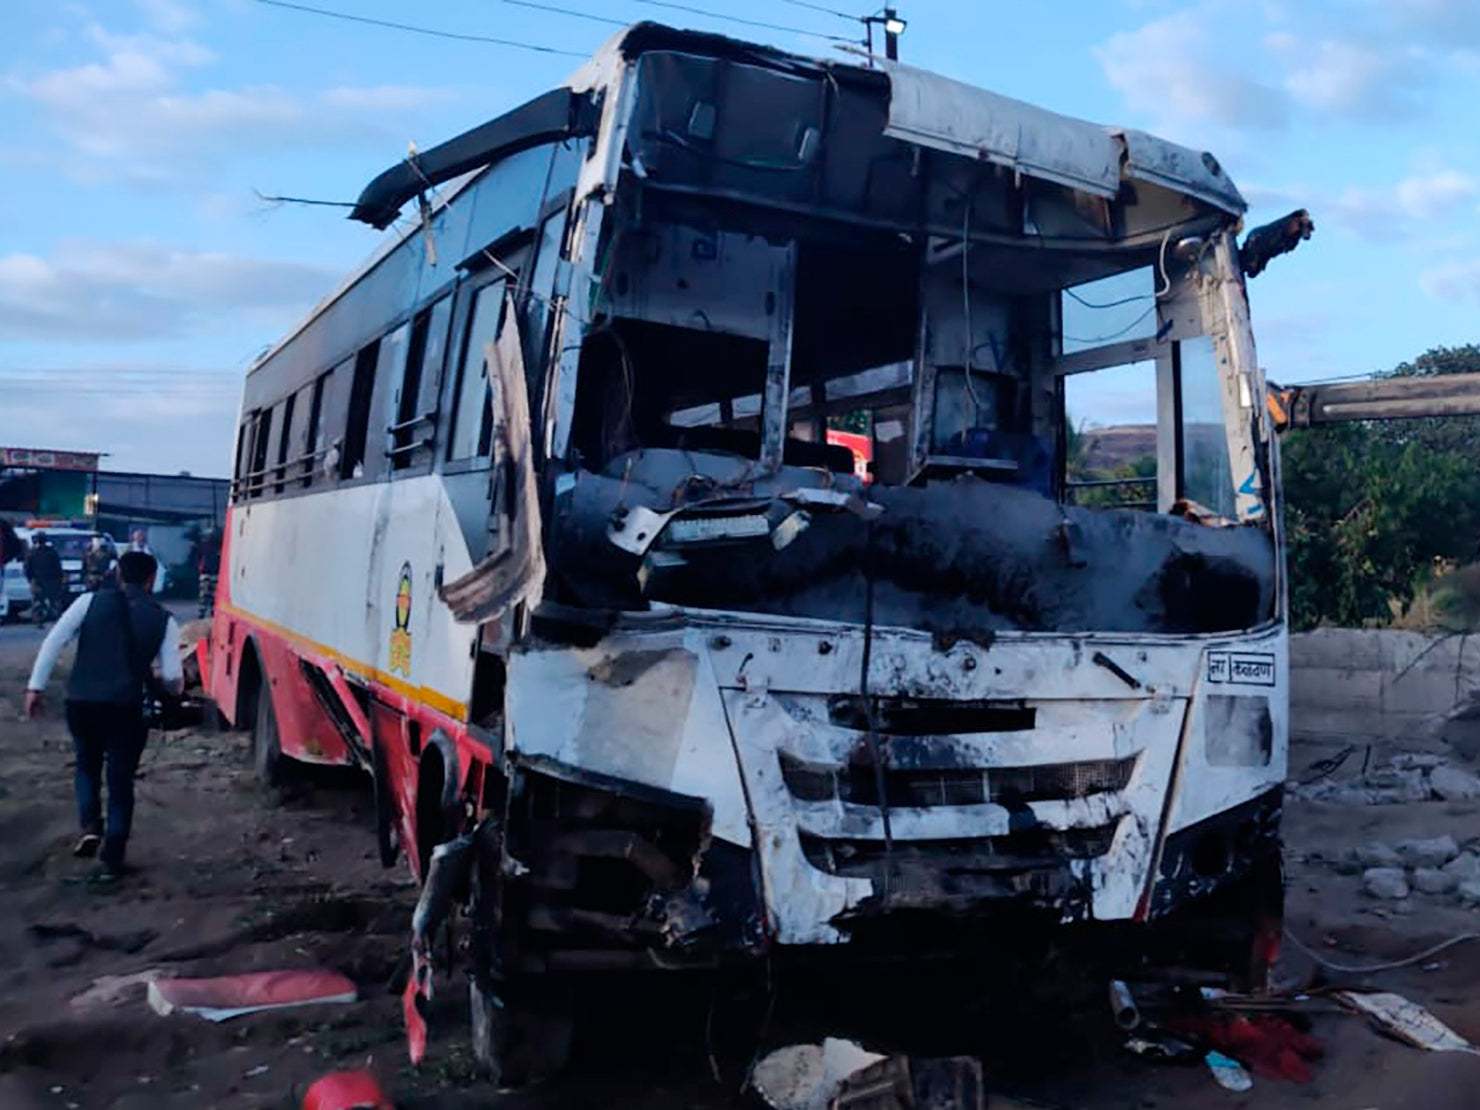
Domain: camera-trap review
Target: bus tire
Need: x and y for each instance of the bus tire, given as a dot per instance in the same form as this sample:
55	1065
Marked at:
516	1043
267	750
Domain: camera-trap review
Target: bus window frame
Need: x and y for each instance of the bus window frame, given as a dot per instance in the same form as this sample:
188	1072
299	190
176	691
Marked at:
462	322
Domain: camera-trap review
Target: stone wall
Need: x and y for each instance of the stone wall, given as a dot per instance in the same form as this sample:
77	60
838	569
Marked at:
1378	686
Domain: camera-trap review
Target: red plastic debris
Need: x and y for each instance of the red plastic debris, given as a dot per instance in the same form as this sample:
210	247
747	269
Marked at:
416	1025
1266	1044
346	1090
231	995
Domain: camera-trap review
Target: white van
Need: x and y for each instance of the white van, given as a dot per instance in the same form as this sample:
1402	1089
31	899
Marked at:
71	544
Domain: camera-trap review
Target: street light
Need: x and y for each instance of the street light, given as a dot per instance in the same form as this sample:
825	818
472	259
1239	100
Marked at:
893	28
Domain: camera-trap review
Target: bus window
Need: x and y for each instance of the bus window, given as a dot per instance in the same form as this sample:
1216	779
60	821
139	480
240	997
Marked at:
243	435
1205	477
1110	424
416	401
313	430
357	423
256	476
472	403
285	435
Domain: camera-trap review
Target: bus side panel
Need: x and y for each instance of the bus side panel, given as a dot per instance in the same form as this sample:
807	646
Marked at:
305	730
401	772
227	634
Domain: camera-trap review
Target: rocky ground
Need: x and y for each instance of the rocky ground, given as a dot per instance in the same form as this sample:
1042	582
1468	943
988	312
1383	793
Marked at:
231	879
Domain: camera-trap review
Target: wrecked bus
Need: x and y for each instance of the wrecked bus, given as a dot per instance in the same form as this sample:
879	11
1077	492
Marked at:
538	519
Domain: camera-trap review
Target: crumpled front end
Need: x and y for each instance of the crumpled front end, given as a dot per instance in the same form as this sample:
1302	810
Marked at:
1038	772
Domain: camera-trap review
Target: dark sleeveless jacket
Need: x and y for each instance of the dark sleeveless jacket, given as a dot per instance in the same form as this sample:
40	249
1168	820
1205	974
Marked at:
105	670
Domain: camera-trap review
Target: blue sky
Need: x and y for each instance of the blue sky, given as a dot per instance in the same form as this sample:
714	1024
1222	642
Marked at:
139	273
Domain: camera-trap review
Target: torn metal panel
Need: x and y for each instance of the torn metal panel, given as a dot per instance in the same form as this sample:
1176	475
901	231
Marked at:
514	570
948	115
644	712
1175	167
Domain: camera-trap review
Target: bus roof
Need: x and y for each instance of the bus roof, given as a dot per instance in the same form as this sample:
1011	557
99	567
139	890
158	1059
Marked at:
924	108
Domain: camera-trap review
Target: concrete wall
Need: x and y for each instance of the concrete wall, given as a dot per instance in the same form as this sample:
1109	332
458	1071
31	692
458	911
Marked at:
1373	685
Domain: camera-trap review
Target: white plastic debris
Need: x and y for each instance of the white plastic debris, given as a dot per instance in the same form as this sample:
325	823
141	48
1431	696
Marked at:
1228	1073
807	1076
1408	1021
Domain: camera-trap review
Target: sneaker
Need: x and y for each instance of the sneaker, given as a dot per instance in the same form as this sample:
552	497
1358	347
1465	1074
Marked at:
87	845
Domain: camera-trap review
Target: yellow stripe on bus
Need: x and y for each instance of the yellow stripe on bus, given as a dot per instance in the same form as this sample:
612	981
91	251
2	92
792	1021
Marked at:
437	700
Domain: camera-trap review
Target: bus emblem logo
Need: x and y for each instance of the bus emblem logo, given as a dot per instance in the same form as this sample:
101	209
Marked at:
401	634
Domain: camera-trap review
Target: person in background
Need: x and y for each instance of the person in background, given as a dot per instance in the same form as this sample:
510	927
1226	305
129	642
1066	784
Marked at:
139	541
48	580
121	632
98	562
11	545
208	565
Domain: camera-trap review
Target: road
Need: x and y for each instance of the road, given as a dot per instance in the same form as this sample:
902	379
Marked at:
231	878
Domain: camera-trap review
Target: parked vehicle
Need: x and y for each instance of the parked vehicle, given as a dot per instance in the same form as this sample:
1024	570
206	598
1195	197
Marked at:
538	520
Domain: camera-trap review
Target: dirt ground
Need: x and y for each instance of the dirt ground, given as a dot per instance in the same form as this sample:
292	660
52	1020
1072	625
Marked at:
232	879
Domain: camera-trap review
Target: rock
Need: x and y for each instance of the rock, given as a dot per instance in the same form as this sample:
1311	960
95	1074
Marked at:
1464	867
1385	882
1350	863
1454	784
1469	891
1431	880
1432	852
1374	854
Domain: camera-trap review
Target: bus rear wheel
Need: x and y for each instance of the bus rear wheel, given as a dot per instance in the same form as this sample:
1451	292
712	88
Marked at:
267	751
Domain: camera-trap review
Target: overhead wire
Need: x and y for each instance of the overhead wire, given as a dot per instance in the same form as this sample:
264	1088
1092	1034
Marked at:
824	9
558	10
711	14
414	29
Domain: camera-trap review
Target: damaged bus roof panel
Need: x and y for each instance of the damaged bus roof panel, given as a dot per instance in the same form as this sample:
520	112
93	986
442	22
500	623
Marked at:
934	111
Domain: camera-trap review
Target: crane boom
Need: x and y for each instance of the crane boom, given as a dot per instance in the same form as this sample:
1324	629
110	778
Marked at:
1306	406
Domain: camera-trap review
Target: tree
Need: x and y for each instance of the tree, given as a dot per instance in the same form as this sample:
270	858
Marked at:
1372	508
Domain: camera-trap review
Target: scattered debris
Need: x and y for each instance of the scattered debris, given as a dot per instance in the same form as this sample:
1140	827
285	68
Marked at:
906	1083
1123	1005
230	996
1385	882
346	1090
253	1073
1407	1021
1229	1074
114	990
1267	1044
807	1076
1157	1045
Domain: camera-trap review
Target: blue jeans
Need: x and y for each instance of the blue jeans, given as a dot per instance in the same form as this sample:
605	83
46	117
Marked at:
105	733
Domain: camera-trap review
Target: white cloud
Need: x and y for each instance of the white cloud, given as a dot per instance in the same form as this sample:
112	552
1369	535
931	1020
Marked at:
1170	70
1392	211
1453	281
1347	77
139	111
133	291
1436	194
170	16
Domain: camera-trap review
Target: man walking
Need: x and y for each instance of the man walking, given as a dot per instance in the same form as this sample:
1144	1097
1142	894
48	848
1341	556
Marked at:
120	631
48	581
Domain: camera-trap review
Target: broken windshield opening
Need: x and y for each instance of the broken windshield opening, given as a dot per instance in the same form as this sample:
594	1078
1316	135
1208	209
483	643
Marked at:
934	391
